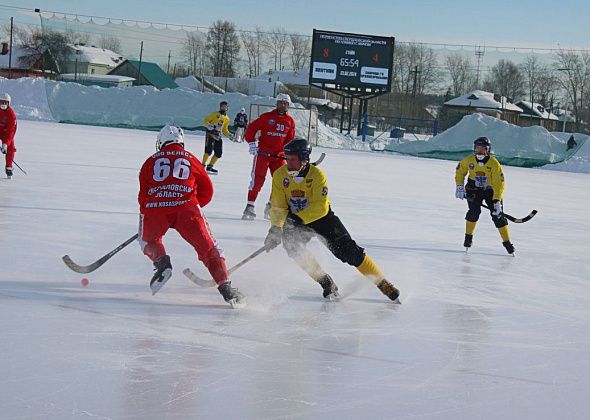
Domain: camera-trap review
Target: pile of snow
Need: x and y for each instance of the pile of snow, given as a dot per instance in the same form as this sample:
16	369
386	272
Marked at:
247	86
190	82
580	161
299	77
143	107
513	145
29	100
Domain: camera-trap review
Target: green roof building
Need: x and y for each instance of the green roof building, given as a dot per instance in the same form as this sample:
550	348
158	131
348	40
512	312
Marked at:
144	74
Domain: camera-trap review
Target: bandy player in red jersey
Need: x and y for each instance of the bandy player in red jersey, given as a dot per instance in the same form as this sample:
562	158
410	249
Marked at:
276	128
173	187
7	131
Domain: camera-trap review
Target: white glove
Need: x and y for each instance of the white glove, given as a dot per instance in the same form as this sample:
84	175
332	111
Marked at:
252	148
3	148
497	208
210	127
460	192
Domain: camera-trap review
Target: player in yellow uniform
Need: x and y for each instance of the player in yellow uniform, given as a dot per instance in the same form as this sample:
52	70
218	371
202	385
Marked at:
300	210
216	123
485	182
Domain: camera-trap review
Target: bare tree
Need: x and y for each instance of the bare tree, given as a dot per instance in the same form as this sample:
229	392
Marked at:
110	42
249	40
574	78
193	51
538	77
223	48
76	38
506	79
277	42
300	51
461	72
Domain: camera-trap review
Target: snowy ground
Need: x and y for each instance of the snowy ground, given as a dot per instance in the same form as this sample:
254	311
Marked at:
481	336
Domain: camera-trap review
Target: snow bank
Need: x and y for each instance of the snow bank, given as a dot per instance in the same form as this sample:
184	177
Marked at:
513	145
28	98
580	161
143	107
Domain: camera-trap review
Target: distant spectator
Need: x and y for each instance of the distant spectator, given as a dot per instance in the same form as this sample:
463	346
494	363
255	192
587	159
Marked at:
571	143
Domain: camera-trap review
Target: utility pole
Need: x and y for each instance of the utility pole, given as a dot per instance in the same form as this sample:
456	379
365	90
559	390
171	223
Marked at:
414	89
479	53
168	68
140	59
10	51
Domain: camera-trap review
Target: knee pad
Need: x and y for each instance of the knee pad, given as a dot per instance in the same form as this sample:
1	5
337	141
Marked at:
473	215
499	221
347	251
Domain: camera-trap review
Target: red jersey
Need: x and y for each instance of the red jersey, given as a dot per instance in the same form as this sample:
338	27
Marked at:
7	125
275	131
173	179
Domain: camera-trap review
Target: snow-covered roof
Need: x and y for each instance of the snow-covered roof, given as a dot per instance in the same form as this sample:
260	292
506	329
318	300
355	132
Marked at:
483	99
536	110
95	77
567	115
95	55
18	53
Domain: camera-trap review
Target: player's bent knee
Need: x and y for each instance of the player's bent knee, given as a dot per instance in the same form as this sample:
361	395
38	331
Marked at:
349	252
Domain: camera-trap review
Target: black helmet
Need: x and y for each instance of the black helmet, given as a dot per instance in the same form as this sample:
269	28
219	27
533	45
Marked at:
299	147
483	141
222	103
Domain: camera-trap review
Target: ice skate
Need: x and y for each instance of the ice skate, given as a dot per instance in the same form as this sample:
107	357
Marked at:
389	290
330	288
163	272
267	211
231	295
249	213
509	247
468	241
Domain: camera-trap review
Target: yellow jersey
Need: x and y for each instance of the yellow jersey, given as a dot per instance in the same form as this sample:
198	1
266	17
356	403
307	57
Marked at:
485	174
307	196
219	121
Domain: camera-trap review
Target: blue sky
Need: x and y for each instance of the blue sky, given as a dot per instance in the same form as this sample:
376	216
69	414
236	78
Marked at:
539	23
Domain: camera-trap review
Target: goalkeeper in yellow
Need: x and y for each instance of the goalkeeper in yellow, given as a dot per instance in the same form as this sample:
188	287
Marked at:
216	123
485	182
300	210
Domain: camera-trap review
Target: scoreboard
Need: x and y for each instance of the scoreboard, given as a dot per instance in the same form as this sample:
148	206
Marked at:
351	60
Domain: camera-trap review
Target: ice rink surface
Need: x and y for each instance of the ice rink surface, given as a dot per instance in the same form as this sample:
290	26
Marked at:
479	335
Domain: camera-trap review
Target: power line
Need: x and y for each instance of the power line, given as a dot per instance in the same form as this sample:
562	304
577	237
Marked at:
154	24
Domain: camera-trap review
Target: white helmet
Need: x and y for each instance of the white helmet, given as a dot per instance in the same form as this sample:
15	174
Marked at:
242	110
284	98
5	97
169	134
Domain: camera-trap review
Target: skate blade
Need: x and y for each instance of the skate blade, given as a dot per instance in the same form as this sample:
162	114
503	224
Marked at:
333	297
159	284
237	304
248	218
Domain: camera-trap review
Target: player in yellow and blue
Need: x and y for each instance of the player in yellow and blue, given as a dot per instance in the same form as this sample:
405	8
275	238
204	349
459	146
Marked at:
216	123
300	210
485	182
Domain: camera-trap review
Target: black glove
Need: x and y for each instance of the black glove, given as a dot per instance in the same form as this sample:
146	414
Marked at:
273	238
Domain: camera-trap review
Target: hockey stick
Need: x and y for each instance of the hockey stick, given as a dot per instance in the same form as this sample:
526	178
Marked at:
210	283
91	267
316	163
18	166
515	219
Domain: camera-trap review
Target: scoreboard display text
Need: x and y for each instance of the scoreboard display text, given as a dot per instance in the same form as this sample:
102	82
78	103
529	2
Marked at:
351	60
